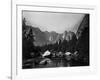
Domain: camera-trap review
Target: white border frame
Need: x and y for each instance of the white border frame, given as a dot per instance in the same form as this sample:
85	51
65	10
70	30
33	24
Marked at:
18	73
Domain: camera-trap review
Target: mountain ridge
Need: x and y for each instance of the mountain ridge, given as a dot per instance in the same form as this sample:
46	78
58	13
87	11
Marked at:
45	37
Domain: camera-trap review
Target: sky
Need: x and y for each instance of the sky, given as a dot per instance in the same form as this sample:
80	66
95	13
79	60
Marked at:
51	21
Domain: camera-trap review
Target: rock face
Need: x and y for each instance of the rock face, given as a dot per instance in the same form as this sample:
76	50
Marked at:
84	24
83	39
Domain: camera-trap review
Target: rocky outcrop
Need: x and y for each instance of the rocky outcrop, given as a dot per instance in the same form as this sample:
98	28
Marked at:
83	40
84	24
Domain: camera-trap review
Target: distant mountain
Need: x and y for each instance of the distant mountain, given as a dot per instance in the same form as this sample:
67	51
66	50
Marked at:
40	37
45	37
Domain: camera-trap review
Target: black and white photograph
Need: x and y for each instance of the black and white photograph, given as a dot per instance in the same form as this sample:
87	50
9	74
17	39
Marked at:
55	39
